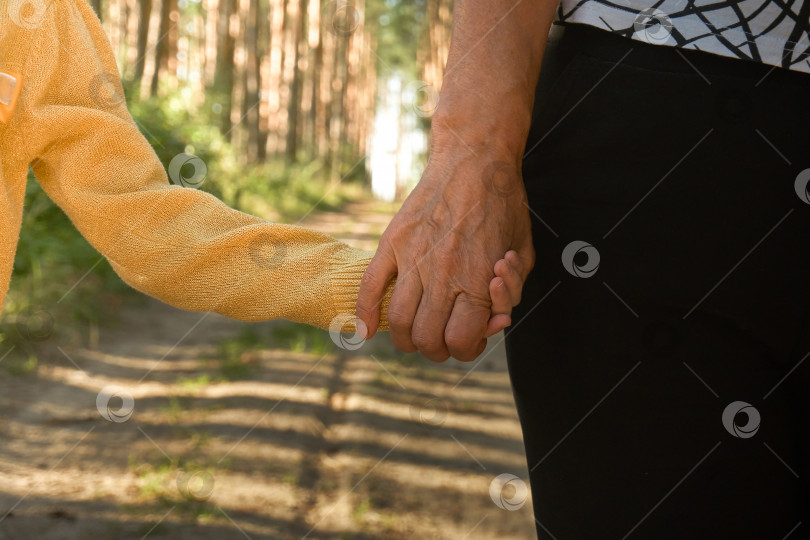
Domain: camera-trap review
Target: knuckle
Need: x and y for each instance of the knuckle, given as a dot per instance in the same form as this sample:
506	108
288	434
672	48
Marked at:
425	341
463	356
480	301
398	318
395	236
458	344
471	353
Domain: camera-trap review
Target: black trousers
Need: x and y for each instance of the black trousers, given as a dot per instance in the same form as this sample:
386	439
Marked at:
659	357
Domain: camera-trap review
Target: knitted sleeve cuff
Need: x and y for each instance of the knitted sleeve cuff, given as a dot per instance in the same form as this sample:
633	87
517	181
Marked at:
348	267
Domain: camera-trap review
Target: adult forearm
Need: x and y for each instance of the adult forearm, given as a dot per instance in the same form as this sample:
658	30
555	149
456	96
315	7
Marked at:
492	68
470	205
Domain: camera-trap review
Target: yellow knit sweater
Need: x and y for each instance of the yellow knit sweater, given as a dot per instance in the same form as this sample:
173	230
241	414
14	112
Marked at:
178	244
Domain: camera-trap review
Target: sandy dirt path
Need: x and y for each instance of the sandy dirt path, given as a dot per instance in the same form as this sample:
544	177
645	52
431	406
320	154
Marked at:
308	441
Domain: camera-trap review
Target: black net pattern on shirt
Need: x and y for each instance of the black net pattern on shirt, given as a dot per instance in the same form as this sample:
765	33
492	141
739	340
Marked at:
714	26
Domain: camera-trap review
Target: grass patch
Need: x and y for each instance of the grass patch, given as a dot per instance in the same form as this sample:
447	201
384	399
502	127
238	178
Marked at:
176	408
301	338
183	484
359	512
366	514
194	384
61	286
238	357
233	355
276	190
19	365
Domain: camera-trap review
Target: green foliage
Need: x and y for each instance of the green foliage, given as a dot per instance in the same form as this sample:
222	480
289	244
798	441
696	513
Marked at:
193	384
18	365
162	483
359	512
290	192
176	409
399	27
300	338
275	189
233	364
172	125
61	285
237	356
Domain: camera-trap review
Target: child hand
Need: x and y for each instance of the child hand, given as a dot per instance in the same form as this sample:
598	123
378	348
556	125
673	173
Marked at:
505	289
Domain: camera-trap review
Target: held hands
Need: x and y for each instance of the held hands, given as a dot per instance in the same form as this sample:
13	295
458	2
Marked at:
444	245
470	207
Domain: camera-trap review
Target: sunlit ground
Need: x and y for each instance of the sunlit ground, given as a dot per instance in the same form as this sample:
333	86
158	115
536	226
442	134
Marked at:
256	431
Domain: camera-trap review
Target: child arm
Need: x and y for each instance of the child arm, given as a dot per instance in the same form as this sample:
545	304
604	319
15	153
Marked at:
180	245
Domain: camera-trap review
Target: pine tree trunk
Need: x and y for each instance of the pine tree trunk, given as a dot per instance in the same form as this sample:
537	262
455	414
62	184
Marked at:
250	82
211	24
294	105
97	8
123	34
260	66
323	61
144	15
224	71
171	37
338	119
275	76
162	47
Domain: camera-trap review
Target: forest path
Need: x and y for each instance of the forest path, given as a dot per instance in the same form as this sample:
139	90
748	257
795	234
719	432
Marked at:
259	431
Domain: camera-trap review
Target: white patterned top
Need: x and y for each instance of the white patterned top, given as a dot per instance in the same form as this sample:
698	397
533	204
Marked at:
775	32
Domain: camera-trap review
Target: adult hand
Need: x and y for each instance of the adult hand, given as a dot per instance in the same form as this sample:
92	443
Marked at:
466	212
470	206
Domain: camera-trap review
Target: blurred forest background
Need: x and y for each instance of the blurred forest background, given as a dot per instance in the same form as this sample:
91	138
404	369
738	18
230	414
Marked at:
124	418
295	106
